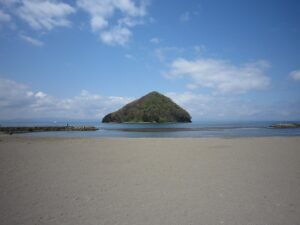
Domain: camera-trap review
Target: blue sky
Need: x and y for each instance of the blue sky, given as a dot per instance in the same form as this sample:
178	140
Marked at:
84	58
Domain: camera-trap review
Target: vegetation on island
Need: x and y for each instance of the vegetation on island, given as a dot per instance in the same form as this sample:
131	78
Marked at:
151	108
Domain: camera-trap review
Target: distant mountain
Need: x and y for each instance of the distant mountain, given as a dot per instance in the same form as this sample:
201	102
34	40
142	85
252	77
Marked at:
151	108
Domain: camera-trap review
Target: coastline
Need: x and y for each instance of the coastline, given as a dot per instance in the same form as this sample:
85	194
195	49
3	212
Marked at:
170	130
49	180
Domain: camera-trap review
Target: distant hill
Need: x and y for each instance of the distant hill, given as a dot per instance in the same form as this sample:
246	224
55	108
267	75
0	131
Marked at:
151	108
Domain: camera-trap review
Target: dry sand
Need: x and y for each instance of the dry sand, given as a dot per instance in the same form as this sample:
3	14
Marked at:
82	181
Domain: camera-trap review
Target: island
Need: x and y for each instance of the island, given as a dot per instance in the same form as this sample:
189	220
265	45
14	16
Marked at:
151	108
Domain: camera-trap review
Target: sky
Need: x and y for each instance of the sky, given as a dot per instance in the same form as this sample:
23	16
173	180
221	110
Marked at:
81	59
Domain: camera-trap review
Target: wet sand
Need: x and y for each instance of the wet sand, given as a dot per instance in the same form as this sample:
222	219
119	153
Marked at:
91	181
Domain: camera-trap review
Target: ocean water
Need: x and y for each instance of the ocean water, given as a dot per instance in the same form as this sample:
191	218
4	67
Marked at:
195	129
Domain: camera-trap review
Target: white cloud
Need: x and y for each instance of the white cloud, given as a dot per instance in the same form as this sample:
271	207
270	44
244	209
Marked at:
206	106
40	94
45	14
102	12
129	22
185	17
4	17
98	23
116	36
18	101
155	40
99	12
113	20
295	74
13	94
196	104
209	106
31	40
221	75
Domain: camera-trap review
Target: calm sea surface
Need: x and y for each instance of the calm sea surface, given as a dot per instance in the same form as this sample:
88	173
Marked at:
195	129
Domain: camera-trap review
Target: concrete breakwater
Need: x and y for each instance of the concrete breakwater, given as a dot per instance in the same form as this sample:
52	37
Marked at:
286	125
13	130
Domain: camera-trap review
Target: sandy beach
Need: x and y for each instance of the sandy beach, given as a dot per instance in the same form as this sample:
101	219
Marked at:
192	181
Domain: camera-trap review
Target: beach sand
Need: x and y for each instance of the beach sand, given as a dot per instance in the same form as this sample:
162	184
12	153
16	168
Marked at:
93	181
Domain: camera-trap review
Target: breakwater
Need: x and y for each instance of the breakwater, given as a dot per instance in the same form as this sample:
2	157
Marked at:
15	130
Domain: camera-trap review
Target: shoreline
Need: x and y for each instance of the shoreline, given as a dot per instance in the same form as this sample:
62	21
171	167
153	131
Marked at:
152	129
25	136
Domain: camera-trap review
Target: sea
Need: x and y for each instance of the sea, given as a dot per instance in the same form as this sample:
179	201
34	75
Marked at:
175	130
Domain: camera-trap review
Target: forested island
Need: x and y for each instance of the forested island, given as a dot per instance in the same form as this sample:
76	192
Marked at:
151	108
